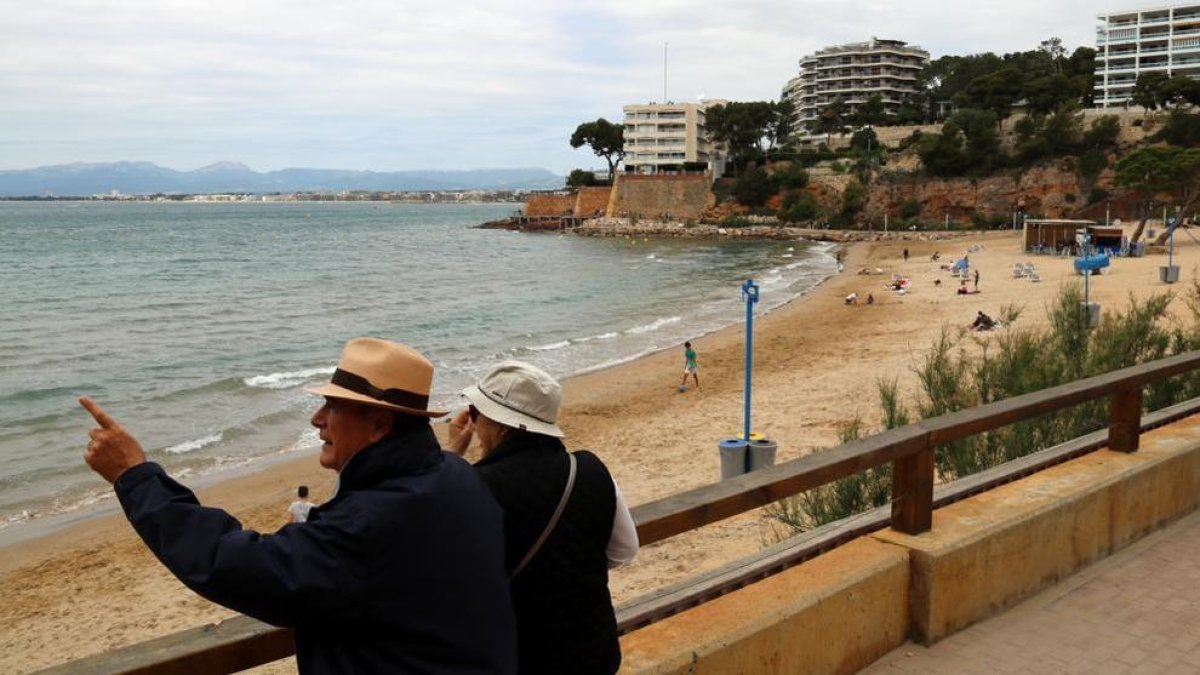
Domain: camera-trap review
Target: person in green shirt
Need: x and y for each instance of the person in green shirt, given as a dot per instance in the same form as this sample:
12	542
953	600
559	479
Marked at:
689	367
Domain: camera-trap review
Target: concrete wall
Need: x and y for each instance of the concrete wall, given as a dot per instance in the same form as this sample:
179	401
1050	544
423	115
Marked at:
839	612
683	197
835	614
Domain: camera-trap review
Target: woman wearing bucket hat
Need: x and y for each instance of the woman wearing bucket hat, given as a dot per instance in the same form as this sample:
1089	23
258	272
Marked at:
565	520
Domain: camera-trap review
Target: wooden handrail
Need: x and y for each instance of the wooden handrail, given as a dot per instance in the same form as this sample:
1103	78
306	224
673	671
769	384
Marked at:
242	642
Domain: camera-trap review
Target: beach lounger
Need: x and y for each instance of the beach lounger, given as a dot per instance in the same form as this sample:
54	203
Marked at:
1034	277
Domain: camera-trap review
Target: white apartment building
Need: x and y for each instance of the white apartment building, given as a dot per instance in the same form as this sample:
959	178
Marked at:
665	135
1136	41
855	72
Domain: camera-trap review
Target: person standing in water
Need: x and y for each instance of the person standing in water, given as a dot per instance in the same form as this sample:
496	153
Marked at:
689	366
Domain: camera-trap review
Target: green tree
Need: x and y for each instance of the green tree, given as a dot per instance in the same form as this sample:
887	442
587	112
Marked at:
1180	90
798	207
740	129
865	140
1181	129
1080	67
830	120
982	146
581	178
946	79
753	188
1148	90
607	140
870	113
791	175
1046	77
1103	134
1159	169
1047	93
912	110
968	145
995	92
942	154
854	199
779	131
1063	130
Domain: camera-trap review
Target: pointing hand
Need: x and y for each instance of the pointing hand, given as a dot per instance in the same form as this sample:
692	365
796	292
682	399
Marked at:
112	450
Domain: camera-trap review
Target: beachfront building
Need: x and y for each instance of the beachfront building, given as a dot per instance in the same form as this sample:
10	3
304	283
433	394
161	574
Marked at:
1136	41
854	72
667	137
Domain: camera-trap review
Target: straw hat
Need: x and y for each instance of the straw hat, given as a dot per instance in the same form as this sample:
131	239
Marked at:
382	374
520	396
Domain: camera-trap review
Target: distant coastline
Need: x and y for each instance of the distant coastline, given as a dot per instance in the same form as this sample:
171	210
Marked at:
416	197
117	179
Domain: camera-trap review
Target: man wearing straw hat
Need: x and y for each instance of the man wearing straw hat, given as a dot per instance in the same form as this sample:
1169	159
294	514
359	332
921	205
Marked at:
402	570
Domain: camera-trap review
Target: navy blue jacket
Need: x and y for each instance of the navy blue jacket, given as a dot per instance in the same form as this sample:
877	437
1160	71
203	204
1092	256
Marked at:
401	571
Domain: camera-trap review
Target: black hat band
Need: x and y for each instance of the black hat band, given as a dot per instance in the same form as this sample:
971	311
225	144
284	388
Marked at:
360	385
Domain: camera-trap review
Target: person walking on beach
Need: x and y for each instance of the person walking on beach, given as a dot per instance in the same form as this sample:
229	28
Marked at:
689	367
565	521
905	255
976	279
300	508
402	570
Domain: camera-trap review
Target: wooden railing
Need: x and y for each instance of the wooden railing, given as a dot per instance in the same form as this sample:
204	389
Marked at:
242	642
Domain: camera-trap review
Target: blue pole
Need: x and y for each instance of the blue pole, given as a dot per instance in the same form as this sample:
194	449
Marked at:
750	293
1087	303
1171	245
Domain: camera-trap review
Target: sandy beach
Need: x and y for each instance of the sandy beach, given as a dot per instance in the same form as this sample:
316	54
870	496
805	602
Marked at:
94	586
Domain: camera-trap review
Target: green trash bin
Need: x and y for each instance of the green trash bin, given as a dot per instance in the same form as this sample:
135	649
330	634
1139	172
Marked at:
733	457
760	454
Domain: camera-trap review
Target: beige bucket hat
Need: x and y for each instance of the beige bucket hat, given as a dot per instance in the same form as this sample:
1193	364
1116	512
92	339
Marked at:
383	374
520	396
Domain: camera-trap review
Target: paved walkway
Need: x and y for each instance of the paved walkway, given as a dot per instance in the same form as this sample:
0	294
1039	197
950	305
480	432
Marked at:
1137	611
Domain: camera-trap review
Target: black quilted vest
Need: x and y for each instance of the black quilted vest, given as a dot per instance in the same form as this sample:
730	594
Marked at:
565	620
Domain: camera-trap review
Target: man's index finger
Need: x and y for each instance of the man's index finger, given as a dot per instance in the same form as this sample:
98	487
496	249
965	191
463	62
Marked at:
102	418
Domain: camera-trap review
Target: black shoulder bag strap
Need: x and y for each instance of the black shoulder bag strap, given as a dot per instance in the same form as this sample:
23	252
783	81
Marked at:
562	504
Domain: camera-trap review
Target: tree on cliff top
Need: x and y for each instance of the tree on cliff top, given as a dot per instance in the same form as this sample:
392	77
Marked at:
741	127
606	140
1160	169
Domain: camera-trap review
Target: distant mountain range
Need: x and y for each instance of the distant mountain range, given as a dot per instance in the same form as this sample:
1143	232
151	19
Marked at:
144	178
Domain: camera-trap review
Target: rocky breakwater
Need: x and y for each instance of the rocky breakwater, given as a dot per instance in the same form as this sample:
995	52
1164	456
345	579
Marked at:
763	229
527	225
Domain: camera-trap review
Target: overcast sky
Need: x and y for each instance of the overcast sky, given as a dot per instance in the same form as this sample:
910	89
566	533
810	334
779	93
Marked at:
392	85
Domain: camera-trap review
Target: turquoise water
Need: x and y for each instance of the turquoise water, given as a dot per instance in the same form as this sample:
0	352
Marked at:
198	325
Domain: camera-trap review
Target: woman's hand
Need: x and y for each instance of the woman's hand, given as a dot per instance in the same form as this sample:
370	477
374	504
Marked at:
461	431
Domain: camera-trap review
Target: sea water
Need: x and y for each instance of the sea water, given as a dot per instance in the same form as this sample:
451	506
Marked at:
198	325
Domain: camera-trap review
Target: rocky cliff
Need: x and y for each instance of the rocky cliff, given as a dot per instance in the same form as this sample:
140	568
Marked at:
1049	191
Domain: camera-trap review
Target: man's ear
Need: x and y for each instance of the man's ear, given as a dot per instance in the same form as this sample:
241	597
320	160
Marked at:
381	424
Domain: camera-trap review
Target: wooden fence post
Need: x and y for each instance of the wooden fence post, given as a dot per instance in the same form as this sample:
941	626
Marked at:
1125	419
912	492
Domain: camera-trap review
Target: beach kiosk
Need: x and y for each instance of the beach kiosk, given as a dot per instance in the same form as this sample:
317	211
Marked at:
1052	236
1106	239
